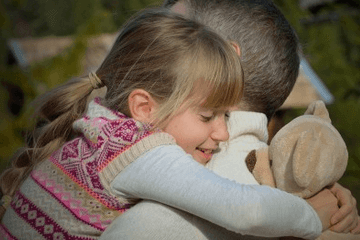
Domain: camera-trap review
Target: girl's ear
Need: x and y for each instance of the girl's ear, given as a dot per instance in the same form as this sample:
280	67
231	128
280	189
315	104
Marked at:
141	105
236	47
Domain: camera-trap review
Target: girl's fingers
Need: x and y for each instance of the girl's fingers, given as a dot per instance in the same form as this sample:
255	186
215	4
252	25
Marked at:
346	219
344	226
345	213
347	204
356	230
347	224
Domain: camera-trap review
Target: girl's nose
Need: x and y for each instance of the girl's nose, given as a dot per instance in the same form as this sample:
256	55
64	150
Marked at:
220	132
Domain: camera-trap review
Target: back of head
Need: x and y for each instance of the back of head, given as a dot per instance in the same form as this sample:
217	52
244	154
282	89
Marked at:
269	46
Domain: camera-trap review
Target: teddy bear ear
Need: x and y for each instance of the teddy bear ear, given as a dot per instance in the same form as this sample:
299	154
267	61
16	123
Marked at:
318	109
306	157
250	160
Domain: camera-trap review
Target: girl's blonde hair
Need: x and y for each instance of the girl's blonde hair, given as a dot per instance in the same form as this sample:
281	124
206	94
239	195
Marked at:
174	59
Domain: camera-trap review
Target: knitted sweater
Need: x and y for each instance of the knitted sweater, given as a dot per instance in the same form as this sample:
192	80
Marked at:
68	196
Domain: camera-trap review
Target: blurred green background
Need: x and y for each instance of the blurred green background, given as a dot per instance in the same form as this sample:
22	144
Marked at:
330	38
329	33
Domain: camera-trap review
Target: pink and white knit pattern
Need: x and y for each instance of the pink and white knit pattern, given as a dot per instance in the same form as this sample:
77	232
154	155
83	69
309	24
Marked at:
68	196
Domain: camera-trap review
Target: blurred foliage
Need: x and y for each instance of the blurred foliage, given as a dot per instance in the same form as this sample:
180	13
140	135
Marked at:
122	10
40	18
330	38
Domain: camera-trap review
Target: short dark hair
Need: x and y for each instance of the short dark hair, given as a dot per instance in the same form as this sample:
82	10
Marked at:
269	46
169	3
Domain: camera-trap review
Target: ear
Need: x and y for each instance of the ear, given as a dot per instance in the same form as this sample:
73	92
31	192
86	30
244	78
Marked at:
262	171
318	109
236	47
306	157
259	165
141	105
250	160
179	8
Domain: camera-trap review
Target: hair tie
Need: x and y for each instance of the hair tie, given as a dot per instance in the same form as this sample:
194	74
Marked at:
5	201
95	81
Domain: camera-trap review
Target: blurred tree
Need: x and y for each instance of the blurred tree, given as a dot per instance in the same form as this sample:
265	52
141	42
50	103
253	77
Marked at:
44	17
330	36
39	18
122	10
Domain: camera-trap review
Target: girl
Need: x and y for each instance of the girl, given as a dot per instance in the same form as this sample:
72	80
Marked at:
165	75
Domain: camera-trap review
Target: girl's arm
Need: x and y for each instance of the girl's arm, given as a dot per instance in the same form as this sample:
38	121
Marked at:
170	176
153	220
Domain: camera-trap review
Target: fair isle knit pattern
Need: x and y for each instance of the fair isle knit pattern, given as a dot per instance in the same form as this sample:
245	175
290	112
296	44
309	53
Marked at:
68	196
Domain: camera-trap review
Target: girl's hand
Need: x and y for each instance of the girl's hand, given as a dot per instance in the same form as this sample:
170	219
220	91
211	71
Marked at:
325	205
346	219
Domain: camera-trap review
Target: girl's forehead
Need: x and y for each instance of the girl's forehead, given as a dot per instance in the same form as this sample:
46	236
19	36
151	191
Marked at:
199	101
217	94
216	110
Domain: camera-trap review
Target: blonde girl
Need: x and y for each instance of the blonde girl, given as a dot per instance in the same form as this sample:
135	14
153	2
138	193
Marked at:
169	81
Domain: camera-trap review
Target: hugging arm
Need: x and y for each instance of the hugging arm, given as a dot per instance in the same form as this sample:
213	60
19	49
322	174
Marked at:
153	220
172	177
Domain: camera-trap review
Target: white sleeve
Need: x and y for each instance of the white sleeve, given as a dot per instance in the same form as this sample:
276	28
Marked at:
170	176
153	220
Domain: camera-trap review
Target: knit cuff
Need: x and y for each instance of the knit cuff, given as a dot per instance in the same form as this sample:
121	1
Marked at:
254	123
125	158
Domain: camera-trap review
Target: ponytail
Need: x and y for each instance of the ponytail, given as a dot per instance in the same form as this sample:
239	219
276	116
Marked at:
56	112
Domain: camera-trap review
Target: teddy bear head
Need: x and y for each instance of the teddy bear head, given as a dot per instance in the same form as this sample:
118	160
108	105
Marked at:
308	153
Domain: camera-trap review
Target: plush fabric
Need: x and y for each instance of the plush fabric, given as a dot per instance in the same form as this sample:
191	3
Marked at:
68	196
307	155
312	148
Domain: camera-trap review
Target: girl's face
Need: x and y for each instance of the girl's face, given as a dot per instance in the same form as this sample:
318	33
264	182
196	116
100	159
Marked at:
199	131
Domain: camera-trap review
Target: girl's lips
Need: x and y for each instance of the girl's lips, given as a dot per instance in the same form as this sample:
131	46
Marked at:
204	150
206	153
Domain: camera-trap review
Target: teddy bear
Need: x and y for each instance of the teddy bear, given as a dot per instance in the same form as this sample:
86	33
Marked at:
306	155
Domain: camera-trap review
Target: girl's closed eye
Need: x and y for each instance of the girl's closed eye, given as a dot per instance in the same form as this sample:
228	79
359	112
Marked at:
207	116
